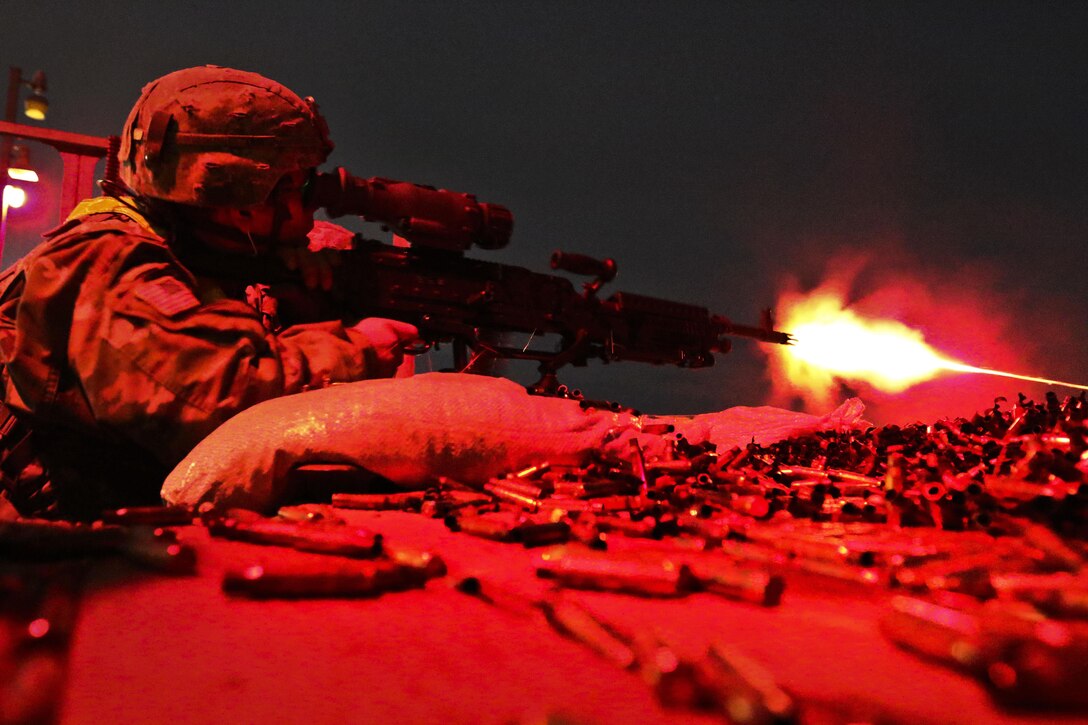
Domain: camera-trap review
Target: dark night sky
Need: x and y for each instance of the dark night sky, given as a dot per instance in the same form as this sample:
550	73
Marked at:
711	148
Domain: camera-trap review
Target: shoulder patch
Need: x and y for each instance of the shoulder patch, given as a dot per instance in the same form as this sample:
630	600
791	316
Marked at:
167	295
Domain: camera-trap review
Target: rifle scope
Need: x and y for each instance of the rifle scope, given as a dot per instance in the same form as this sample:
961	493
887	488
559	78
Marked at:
421	214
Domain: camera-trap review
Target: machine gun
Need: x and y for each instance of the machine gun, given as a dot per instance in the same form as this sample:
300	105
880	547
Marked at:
470	302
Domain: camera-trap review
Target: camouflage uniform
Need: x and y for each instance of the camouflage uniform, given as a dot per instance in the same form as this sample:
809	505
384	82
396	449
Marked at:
120	359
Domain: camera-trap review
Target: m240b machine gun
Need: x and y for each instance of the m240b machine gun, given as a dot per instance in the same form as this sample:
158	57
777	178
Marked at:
471	303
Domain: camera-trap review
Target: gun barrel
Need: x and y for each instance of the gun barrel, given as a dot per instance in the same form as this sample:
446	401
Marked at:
763	334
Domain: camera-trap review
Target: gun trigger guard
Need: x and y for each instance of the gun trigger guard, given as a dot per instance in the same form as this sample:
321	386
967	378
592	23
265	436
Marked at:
417	348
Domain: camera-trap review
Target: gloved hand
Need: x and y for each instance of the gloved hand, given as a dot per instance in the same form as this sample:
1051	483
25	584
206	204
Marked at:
316	260
326	235
387	339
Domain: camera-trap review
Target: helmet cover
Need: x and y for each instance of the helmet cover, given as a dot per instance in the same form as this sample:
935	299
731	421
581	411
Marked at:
213	137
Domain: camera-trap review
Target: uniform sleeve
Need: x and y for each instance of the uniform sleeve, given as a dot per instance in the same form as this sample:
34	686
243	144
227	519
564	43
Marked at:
165	368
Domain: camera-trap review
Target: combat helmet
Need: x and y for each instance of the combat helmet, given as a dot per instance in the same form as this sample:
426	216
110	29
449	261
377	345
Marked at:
213	137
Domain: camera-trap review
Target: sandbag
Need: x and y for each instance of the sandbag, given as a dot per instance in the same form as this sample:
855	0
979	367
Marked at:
410	431
739	426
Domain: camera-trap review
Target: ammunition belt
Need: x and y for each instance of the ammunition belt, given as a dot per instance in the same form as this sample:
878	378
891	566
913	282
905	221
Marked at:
24	480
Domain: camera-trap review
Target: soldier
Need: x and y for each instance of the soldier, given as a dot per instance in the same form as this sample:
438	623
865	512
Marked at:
132	331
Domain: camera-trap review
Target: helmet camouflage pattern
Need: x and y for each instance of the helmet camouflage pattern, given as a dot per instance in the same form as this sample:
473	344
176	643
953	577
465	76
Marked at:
212	136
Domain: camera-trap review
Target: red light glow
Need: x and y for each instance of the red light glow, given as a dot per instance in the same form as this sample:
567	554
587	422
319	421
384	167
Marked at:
897	333
834	341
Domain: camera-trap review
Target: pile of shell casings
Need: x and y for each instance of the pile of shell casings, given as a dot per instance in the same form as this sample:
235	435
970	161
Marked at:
983	516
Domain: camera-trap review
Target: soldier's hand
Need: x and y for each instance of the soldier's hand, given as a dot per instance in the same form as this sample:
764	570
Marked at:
326	235
316	260
388	339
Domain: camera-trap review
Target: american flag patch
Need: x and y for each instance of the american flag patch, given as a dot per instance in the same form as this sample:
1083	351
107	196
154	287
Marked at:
168	296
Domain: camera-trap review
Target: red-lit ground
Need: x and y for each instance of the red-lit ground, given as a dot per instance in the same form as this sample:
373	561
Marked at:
155	649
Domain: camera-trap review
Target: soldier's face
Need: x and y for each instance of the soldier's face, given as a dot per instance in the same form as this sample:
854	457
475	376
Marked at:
282	219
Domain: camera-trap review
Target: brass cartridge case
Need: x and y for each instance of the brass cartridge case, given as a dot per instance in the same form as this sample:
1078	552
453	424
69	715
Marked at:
406	501
582	568
363	578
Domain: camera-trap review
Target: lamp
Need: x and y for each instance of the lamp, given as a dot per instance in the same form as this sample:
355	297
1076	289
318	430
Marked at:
14	197
19	169
36	104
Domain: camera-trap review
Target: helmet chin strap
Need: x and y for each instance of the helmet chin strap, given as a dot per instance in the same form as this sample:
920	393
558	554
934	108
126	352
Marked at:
248	230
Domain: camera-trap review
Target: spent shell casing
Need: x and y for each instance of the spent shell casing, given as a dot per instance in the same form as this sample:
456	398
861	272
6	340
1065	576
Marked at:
947	635
34	539
632	504
1042	673
532	489
583	529
743	689
532	534
871	551
576	622
804	473
958	573
811	546
638	462
1059	594
1071	602
757	507
559	507
158	549
317	538
714	530
309	512
445	483
1055	549
297	580
1019	584
850	477
429	564
658	429
151	516
841	571
747	584
680	465
510	495
933	490
895	476
404	501
457	499
1013	489
738	460
753	553
641	528
487	526
594	488
451	501
586	570
673	678
533	471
